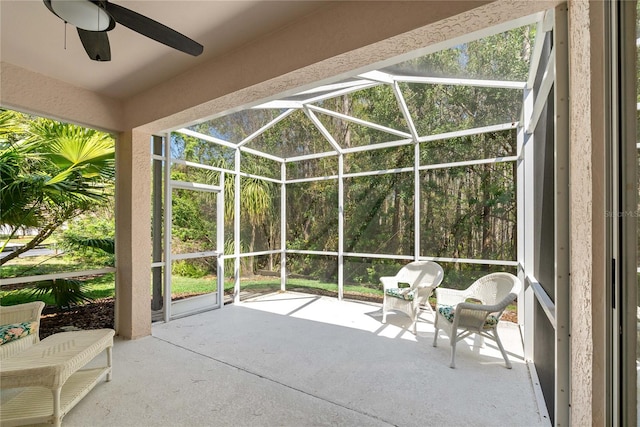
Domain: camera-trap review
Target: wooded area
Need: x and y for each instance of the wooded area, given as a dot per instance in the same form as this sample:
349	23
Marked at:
465	210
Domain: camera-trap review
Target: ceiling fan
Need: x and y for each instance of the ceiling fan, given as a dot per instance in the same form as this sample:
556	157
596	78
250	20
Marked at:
93	18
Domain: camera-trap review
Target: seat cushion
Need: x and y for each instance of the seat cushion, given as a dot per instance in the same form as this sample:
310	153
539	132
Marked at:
402	293
449	312
16	331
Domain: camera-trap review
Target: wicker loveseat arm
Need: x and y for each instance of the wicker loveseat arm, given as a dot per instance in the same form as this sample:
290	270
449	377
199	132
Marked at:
18	314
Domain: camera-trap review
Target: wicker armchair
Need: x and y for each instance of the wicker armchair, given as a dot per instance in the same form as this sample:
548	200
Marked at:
460	318
422	277
20	326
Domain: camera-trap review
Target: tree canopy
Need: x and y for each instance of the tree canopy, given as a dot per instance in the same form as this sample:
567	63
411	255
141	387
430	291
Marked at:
465	210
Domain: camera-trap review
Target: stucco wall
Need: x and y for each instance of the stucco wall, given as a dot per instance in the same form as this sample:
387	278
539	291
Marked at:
133	234
587	212
30	92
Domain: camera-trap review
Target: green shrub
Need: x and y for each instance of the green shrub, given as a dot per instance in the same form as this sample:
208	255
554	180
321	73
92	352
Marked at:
90	238
189	269
65	292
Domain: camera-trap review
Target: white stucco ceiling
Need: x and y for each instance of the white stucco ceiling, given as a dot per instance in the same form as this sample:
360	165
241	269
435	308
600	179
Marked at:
34	39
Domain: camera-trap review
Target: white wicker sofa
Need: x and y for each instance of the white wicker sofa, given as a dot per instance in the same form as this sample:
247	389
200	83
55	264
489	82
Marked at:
49	373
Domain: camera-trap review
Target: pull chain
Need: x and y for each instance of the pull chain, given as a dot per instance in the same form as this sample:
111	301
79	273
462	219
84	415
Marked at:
65	35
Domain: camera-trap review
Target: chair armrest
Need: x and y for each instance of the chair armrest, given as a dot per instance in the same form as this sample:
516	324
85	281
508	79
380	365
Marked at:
495	308
447	296
474	315
389	282
29	312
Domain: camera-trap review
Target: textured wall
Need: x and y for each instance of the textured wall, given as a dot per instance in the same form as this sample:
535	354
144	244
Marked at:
587	216
34	93
133	225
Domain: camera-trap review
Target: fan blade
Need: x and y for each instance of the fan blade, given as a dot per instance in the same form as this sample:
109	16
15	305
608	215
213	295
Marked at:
153	29
96	43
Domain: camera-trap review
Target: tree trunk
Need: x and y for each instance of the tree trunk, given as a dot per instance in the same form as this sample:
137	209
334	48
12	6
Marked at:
39	238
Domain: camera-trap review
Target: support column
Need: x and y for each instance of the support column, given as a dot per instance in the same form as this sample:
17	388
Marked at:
587	202
133	238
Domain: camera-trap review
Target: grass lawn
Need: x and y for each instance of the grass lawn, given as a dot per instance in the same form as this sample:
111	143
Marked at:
104	286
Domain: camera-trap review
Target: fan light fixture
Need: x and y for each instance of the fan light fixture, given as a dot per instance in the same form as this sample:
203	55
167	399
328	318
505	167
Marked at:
93	18
84	14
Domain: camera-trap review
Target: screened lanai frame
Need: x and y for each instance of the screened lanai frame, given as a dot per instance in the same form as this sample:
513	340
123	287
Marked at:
534	101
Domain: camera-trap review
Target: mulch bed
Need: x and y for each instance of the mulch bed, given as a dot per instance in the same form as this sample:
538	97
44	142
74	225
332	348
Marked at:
94	315
100	313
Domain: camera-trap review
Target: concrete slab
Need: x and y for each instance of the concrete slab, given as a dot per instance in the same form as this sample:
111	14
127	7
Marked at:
300	360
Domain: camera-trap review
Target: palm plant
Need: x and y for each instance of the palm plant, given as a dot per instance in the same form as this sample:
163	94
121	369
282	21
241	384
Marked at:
50	172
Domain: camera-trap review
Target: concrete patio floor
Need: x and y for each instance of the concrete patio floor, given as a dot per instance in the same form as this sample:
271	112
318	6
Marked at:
302	360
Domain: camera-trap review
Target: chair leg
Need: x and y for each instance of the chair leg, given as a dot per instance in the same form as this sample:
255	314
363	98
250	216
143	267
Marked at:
504	353
384	309
454	334
414	327
435	334
415	312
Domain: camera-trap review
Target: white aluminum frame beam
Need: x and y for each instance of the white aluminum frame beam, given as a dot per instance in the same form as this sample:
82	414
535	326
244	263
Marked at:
536	54
405	111
283	227
310	156
227	144
168	214
196	165
378	76
359	121
447	81
236	230
379	172
548	80
260	154
379	256
184	185
340	92
341	220
194	255
260	177
206	137
279	105
312	179
469	163
332	87
266	127
469	132
562	297
220	242
378	146
416	200
308	252
323	130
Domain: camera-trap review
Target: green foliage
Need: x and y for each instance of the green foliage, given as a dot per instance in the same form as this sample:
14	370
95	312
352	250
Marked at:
50	172
90	238
102	286
65	292
189	269
464	211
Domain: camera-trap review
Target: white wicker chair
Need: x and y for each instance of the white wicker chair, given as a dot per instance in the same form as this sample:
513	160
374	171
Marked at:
459	318
15	314
423	277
